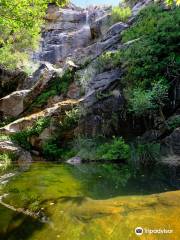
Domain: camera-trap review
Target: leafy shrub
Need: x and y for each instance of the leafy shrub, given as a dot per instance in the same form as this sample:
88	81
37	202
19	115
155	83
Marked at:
99	149
120	14
21	138
70	119
145	101
173	122
52	151
155	55
152	62
117	149
58	86
108	60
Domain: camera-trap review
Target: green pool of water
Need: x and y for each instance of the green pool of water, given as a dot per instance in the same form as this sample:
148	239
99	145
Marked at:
81	202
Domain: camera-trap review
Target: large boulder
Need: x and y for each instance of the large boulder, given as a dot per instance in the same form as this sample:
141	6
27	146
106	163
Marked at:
57	111
17	102
22	156
10	81
98	84
12	105
172	142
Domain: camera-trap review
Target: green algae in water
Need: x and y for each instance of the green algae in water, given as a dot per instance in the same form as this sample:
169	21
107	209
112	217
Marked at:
80	202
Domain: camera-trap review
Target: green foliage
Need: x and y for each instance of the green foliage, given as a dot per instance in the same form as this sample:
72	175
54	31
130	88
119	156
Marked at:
147	154
120	14
155	56
117	149
71	119
108	60
172	2
58	86
5	160
139	101
4	137
86	148
20	26
173	122
99	149
152	61
21	138
52	151
145	101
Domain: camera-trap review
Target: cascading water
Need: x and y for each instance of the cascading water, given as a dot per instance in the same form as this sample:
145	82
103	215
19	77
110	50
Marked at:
87	18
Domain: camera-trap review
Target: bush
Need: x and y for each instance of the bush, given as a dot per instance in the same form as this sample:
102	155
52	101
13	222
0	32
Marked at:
120	14
108	60
152	62
21	138
100	149
142	102
58	86
70	120
117	149
52	151
4	137
155	56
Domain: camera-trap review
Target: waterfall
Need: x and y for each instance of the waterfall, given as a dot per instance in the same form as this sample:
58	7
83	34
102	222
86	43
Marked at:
87	18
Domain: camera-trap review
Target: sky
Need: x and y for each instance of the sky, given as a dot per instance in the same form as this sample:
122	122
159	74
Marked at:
84	3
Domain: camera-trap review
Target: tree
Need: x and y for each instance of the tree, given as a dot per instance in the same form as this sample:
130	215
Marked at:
144	102
20	26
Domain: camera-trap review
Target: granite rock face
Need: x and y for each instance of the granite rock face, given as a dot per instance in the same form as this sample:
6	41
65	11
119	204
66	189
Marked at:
12	105
172	142
22	156
66	30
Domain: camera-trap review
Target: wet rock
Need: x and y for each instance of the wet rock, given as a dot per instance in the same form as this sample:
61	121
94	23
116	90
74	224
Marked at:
74	160
100	26
83	55
115	29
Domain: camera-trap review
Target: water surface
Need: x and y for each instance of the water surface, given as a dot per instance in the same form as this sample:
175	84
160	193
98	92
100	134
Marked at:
88	201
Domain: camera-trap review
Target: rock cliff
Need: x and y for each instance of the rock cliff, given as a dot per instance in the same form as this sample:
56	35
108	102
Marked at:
73	42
